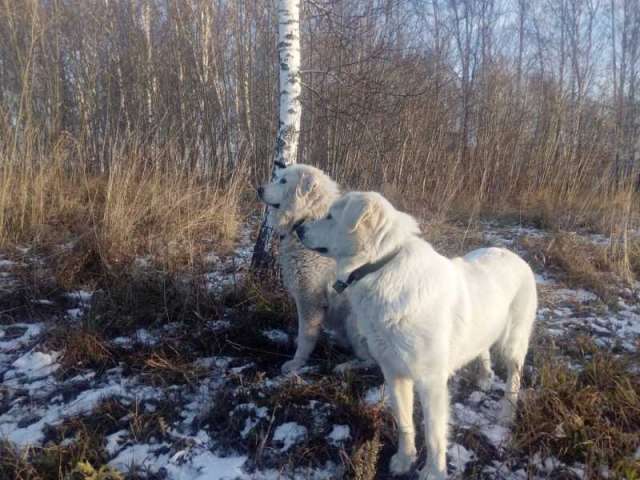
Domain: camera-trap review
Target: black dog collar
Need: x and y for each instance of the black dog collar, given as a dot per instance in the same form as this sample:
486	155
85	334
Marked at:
363	271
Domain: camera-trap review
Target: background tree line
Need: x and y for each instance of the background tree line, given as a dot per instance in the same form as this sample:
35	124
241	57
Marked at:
492	100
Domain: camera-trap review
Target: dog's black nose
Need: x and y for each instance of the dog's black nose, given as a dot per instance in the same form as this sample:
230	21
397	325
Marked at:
260	191
300	231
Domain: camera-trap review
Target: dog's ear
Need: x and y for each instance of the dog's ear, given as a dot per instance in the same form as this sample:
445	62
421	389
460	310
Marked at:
362	212
306	184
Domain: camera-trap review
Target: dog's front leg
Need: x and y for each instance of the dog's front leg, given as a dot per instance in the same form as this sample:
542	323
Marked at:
434	398
401	396
310	321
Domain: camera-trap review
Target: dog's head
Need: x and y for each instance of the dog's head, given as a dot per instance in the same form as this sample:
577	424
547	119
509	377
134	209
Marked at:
297	192
357	225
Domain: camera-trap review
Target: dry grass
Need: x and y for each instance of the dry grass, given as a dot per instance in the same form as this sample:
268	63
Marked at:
591	416
317	406
142	205
579	263
74	449
82	349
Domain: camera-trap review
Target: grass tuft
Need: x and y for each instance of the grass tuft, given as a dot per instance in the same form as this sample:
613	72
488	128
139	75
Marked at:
579	263
590	416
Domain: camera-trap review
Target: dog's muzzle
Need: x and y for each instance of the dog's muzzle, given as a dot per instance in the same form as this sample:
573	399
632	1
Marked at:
261	197
300	232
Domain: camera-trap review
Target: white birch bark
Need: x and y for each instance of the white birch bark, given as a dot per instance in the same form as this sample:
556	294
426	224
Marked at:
289	114
151	84
290	87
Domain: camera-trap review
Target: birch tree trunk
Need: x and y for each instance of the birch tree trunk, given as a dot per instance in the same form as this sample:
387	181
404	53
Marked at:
286	148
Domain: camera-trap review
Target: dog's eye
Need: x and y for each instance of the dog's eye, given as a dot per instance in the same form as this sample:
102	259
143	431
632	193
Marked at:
329	217
283	180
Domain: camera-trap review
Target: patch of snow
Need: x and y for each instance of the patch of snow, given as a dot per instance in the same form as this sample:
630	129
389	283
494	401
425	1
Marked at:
34	365
376	395
75	313
251	421
206	466
460	456
276	336
330	471
242	368
43	301
543	279
339	434
122	341
114	442
476	397
32	330
580	295
546	464
143	262
89	399
137	454
289	433
145	337
218	325
81	296
484	419
56	411
578	469
496	433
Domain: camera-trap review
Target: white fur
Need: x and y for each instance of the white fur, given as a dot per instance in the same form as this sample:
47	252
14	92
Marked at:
424	316
305	192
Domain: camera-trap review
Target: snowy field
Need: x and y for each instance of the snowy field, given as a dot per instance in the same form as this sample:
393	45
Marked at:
233	416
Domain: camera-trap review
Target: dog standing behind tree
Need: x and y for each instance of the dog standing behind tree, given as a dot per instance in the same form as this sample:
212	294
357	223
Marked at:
424	316
300	193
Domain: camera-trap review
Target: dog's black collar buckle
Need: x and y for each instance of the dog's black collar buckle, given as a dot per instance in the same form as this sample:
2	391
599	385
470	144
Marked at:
339	286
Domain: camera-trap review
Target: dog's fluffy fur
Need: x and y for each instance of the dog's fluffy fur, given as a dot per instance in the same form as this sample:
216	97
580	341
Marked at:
423	315
302	192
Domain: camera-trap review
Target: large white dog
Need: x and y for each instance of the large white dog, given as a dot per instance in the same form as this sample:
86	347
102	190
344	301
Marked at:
300	193
424	316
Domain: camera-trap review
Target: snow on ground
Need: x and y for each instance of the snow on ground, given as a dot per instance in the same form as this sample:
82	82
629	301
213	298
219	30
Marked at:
288	434
339	434
277	336
34	395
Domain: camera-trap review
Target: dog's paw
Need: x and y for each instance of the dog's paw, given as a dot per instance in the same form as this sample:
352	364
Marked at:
428	473
357	364
485	381
291	366
401	463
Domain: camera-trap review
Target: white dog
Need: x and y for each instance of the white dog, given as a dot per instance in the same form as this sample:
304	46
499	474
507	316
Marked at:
301	193
423	315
